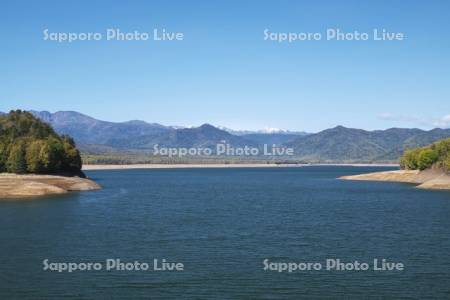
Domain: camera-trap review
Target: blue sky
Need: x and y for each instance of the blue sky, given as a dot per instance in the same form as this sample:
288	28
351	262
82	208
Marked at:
224	72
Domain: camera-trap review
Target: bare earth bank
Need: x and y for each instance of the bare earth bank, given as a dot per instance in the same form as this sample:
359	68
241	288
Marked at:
428	179
17	186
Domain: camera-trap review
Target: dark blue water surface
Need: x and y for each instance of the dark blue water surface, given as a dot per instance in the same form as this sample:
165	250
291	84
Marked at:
221	224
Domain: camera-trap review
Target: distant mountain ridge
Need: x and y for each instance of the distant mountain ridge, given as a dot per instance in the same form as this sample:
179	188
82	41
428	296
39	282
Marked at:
205	136
142	135
338	144
262	131
349	144
87	130
272	138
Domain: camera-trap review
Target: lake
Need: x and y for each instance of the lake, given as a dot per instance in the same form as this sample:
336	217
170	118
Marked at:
222	224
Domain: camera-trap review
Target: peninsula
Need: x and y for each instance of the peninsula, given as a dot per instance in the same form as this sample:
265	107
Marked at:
36	161
30	185
426	167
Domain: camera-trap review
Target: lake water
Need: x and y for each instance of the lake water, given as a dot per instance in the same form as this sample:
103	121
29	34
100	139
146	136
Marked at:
222	224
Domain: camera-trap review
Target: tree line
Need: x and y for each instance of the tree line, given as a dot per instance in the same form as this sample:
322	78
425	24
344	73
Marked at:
28	145
436	154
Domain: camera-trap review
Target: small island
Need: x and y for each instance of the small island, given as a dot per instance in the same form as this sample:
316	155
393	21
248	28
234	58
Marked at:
427	167
36	161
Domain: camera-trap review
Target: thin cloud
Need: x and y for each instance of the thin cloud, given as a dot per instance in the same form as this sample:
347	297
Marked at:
443	122
387	117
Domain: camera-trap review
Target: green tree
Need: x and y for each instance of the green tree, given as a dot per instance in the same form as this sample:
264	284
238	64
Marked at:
446	163
51	155
72	158
426	158
33	158
409	160
16	162
443	148
3	156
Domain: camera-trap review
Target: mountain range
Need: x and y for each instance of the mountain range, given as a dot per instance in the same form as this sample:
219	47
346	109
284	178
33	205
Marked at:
140	135
338	144
87	130
341	143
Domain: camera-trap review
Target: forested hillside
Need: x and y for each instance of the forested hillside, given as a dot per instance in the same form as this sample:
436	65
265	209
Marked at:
341	144
436	154
28	145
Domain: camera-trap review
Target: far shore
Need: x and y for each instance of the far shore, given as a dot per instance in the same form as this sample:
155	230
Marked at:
87	167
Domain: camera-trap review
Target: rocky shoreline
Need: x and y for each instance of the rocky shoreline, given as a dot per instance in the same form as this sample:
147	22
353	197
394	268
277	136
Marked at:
427	179
31	185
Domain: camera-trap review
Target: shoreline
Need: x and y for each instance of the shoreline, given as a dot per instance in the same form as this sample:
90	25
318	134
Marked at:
427	179
93	167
